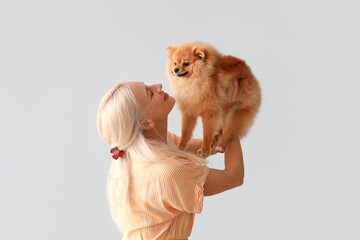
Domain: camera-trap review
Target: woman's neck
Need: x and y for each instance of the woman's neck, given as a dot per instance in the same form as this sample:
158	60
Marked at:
159	132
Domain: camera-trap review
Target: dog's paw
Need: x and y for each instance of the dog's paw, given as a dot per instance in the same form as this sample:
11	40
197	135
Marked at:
182	146
219	149
201	153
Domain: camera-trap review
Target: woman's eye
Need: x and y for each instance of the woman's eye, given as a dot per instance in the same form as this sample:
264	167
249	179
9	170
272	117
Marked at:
175	63
186	64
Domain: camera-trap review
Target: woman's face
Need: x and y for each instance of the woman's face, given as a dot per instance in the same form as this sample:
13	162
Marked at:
156	103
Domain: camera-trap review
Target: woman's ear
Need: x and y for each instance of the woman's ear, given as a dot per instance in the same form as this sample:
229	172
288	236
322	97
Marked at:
147	124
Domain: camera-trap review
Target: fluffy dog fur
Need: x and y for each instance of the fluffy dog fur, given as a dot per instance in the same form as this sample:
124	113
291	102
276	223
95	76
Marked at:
199	77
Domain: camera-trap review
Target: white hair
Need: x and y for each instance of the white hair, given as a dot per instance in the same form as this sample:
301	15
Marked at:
118	123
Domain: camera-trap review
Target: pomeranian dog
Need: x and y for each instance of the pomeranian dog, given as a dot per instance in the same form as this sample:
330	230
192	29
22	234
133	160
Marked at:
199	78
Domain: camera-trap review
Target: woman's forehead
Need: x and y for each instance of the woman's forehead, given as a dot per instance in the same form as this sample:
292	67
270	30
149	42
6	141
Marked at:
139	90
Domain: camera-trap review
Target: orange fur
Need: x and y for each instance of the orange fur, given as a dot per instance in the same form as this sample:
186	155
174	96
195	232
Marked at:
200	90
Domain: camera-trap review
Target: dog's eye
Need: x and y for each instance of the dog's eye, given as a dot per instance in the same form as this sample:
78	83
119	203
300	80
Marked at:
186	64
175	63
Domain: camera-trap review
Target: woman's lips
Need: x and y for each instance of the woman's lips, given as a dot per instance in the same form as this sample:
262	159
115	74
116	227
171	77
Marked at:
166	96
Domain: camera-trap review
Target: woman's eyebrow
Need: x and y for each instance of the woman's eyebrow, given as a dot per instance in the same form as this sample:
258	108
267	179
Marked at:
147	92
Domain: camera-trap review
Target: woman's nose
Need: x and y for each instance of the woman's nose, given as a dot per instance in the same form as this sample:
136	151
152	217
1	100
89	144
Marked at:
158	87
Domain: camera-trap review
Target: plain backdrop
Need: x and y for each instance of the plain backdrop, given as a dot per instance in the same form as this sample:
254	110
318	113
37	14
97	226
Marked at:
302	156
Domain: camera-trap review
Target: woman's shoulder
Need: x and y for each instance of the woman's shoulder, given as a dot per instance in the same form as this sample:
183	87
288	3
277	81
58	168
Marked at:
176	167
172	162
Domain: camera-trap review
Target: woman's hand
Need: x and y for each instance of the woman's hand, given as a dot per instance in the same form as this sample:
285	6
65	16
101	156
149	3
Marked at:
233	95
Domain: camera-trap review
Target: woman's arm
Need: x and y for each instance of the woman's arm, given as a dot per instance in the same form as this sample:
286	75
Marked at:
221	180
232	176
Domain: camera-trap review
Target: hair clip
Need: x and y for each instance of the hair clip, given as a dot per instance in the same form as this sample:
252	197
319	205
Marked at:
117	153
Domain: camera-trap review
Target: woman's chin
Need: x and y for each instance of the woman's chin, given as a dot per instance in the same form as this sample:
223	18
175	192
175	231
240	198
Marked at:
173	101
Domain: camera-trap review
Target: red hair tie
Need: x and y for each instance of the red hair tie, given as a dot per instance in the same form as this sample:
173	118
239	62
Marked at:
117	153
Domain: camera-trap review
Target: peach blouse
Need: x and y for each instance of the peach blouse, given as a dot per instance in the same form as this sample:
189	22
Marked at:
164	198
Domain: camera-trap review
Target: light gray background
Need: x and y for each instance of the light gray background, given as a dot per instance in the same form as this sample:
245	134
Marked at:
302	157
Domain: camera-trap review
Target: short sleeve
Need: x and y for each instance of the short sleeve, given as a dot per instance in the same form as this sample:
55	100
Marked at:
183	186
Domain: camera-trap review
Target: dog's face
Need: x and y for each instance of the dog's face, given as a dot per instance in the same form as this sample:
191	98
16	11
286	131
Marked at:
185	61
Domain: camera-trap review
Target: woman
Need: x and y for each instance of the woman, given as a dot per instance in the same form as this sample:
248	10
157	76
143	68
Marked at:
154	189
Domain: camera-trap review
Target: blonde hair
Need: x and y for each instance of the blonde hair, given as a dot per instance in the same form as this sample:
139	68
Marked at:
118	123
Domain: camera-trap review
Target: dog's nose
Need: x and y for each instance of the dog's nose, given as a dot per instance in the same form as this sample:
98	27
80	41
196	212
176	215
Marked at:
176	70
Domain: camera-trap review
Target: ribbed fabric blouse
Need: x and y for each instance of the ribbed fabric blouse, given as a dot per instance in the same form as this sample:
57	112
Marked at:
164	198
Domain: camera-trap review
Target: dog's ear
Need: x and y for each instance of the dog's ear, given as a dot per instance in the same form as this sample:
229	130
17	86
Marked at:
169	51
200	52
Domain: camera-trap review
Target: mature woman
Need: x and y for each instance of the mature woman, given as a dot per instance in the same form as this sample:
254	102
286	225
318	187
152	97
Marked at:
154	189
